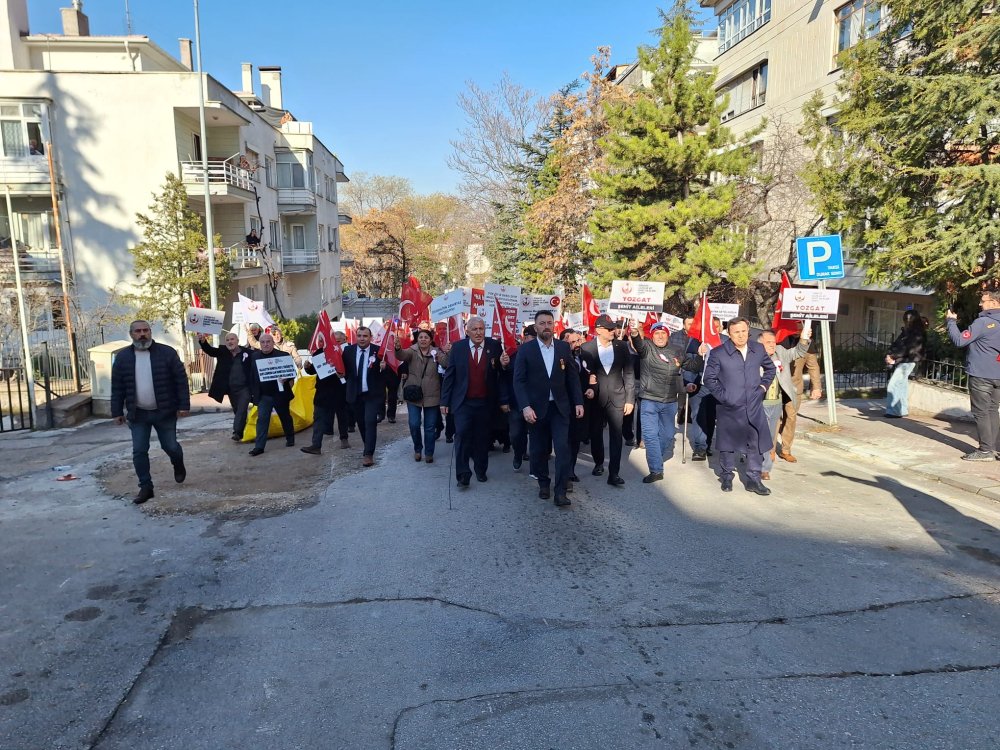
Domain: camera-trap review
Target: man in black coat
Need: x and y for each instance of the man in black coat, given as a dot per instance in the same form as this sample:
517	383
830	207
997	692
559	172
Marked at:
516	426
579	429
271	395
611	360
471	391
232	377
547	385
365	374
149	390
327	404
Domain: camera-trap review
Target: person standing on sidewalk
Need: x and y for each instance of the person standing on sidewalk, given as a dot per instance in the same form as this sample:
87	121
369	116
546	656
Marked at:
982	339
149	389
904	354
782	393
232	377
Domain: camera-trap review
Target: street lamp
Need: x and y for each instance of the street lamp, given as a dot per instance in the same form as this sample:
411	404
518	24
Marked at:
209	226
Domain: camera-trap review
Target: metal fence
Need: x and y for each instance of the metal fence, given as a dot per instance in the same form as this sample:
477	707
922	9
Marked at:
946	373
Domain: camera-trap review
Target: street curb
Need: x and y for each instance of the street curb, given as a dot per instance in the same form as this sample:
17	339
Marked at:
982	486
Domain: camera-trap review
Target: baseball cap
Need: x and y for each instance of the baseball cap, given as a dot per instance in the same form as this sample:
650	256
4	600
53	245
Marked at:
605	321
659	327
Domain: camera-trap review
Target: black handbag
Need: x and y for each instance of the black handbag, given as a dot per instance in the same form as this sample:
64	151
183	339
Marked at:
415	393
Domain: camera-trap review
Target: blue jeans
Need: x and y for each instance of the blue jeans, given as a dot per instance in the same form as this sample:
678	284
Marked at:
897	391
430	415
165	423
659	423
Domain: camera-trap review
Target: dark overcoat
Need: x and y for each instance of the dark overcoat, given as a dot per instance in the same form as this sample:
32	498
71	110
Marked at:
739	387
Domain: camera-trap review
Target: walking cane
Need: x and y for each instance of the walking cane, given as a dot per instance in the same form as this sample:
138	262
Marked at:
684	424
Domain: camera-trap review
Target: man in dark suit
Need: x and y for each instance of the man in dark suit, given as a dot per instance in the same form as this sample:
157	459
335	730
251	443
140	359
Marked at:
364	372
579	429
547	384
471	391
611	360
738	374
516	426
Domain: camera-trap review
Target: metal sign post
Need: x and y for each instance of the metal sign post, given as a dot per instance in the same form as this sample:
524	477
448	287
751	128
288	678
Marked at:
831	386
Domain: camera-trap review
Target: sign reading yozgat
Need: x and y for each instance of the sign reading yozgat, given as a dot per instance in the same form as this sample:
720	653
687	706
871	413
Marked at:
203	320
820	257
798	303
636	297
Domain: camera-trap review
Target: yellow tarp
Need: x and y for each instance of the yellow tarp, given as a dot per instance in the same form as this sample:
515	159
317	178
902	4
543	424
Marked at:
301	408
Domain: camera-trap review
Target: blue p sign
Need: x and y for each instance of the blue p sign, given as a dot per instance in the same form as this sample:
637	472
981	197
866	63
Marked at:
820	257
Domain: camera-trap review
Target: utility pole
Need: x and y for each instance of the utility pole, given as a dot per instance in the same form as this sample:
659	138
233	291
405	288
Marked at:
209	225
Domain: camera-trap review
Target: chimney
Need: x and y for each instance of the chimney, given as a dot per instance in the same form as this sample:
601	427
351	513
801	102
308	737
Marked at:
187	58
247	77
75	23
270	86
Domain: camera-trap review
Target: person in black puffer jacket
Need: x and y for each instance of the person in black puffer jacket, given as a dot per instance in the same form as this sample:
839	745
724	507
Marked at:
904	354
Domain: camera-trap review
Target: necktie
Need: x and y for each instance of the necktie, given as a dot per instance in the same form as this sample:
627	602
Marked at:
477	354
363	365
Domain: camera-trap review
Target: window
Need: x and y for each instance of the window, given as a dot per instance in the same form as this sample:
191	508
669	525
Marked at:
858	20
255	225
196	143
21	130
332	238
746	92
269	171
741	19
38	231
298	237
320	231
318	184
322	291
275	235
291	174
250	292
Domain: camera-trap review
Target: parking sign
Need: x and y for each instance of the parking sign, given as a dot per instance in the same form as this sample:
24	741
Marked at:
820	257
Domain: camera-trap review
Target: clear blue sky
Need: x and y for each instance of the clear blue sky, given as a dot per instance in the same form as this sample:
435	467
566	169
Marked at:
380	79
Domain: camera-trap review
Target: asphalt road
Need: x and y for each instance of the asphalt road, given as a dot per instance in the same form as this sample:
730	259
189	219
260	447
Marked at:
855	607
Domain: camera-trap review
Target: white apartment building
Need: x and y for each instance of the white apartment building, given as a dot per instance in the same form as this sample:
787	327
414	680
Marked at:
117	113
773	56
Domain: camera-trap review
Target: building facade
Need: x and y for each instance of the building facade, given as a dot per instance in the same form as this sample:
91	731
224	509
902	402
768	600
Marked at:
116	114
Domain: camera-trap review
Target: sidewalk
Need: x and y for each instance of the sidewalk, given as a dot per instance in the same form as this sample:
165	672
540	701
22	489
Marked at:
928	447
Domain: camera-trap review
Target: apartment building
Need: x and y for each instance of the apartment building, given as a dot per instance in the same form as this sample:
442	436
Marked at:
773	56
117	113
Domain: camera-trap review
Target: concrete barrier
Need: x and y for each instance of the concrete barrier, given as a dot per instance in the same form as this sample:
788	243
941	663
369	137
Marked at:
939	401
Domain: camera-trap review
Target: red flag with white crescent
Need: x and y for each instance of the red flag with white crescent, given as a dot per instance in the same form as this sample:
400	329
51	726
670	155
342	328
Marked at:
702	328
783	328
591	310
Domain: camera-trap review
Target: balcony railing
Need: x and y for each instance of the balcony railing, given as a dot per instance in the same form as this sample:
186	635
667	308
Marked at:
36	263
299	258
219	173
25	170
242	256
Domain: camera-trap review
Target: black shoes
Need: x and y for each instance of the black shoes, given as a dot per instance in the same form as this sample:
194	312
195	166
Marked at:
392	420
463	482
615	481
145	493
562	501
180	473
543	493
517	463
699	456
597	471
572	478
630	443
289	442
449	440
480	477
256	451
727	484
311	449
653	476
236	438
759	488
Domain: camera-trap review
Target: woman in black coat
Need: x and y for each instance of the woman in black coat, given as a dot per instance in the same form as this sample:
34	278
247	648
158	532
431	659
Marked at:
233	375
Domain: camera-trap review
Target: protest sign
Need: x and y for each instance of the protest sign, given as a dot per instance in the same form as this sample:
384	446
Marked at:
532	303
509	297
673	322
575	320
238	318
798	303
448	304
724	311
203	320
323	368
377	329
276	368
631	297
254	312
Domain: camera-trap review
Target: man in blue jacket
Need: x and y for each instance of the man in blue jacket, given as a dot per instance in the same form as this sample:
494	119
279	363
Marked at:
738	374
982	339
149	389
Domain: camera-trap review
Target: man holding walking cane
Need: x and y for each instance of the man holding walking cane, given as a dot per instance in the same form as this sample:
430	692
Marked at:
665	372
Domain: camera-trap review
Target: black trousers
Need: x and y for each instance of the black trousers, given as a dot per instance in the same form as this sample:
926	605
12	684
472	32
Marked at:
365	411
579	432
473	436
342	414
984	398
607	413
240	401
391	397
550	430
518	430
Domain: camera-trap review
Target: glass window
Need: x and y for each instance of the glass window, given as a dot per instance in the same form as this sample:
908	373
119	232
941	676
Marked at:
275	235
858	20
291	175
298	237
741	19
747	92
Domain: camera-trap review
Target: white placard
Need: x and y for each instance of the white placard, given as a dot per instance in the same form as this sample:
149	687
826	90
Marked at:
276	368
602	306
377	329
323	368
238	316
203	320
254	312
636	297
532	303
575	320
673	322
509	296
450	303
798	303
724	311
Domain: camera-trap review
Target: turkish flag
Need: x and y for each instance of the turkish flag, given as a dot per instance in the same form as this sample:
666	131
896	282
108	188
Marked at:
322	337
351	330
702	328
195	299
414	303
783	328
647	324
441	334
504	321
388	350
590	310
456	328
559	326
405	337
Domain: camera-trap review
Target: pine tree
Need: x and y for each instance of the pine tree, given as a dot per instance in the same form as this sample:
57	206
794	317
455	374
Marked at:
171	259
667	191
908	168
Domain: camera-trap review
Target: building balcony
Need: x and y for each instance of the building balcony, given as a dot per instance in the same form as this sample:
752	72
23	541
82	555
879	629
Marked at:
35	264
25	174
227	183
299	261
241	257
296	201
